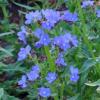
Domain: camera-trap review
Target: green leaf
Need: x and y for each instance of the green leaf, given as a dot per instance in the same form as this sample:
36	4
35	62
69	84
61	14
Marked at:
6	51
3	2
1	93
76	97
97	83
2	64
87	65
13	68
98	90
6	33
8	97
11	98
24	6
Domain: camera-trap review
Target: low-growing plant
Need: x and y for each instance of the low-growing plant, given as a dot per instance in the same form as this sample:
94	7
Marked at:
58	53
57	35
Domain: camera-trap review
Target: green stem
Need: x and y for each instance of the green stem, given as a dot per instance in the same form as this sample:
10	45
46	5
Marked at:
56	98
5	13
61	92
50	59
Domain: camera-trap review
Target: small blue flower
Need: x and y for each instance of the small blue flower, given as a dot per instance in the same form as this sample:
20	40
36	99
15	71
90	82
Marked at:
60	60
74	76
44	92
33	17
51	15
98	13
38	44
32	75
29	17
22	34
51	18
64	43
71	39
87	3
47	25
57	40
38	32
24	52
51	77
22	82
68	16
44	41
36	68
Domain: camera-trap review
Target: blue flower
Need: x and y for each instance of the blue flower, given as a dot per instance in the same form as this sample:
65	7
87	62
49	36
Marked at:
51	15
65	41
38	32
68	16
22	82
38	44
74	74
60	60
33	17
60	42
44	92
47	25
44	41
71	39
32	75
36	68
22	34
51	77
98	13
51	18
24	52
64	45
87	3
57	40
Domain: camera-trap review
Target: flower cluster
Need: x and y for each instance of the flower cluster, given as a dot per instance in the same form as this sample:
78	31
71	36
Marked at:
66	41
31	76
46	20
50	17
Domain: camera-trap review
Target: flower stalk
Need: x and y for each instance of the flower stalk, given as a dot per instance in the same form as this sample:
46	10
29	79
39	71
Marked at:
50	59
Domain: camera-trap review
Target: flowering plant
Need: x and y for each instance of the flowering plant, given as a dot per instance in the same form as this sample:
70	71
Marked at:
51	33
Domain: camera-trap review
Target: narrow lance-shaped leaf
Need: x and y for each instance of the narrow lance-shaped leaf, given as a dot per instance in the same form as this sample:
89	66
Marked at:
97	83
87	65
1	93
